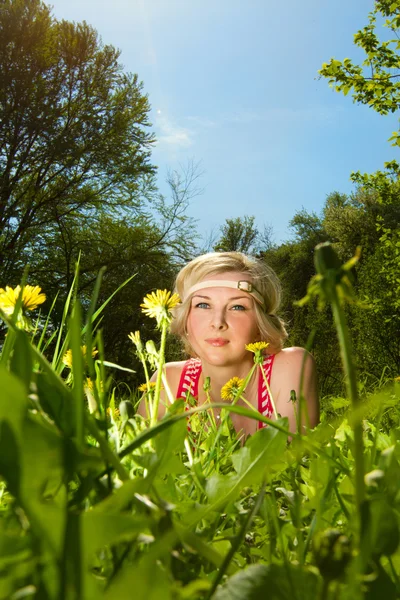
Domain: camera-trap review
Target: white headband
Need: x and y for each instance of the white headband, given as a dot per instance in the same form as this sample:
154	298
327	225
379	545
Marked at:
244	286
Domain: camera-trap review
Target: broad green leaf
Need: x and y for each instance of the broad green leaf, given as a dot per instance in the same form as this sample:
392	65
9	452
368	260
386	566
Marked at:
272	582
141	582
251	462
219	485
21	360
146	579
14	399
10	460
123	496
167	444
383	528
100	530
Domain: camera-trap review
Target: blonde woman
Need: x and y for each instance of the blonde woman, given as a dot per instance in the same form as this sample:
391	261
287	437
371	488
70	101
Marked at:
230	300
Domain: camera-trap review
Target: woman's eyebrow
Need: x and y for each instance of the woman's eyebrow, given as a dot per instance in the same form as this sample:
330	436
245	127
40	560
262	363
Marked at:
230	299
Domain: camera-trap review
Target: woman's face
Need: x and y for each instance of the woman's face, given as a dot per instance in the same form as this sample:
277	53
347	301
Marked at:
221	322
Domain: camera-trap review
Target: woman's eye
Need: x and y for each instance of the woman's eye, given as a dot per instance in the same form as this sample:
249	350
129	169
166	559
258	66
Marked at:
202	305
238	307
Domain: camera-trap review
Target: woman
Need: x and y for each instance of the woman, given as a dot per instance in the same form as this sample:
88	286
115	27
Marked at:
229	300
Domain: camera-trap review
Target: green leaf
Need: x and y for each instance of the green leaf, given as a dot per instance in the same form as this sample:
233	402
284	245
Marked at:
100	530
272	582
252	463
21	361
383	528
57	402
77	371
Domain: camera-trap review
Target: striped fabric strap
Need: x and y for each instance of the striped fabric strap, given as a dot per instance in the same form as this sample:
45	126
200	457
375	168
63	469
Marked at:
189	381
264	399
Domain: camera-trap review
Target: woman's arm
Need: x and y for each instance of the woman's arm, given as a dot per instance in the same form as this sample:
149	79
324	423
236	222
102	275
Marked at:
294	367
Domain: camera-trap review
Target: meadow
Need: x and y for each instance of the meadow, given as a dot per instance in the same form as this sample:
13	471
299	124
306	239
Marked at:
98	502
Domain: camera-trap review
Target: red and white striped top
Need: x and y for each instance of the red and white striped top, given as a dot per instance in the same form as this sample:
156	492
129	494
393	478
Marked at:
189	384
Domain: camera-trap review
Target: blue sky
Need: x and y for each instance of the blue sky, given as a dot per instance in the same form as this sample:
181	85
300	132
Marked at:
233	86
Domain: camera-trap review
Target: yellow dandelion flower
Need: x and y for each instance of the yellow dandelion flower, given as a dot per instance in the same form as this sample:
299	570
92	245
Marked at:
32	296
397	379
135	339
113	412
230	390
67	358
158	305
258	349
256	346
147	388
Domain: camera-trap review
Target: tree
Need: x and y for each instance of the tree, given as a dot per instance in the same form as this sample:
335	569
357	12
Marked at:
72	128
293	262
151	246
373	213
376	81
241	235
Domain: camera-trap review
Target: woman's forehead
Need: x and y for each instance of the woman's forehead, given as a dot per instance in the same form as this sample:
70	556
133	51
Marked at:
225	293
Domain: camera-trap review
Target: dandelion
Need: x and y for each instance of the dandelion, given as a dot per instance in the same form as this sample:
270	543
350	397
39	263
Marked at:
150	387
113	413
67	358
158	305
232	388
89	384
258	349
257	346
135	339
32	296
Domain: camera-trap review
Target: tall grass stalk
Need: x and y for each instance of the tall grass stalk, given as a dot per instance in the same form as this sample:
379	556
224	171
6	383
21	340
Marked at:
333	284
352	390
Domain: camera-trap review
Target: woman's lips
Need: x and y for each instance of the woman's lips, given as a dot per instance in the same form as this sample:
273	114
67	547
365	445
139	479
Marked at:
217	341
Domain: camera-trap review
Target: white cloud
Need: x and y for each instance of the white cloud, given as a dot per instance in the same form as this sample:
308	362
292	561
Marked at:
170	134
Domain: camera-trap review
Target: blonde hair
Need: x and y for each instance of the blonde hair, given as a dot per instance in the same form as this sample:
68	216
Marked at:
271	327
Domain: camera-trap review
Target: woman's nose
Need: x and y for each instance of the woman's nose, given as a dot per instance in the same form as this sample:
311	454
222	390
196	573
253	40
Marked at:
218	320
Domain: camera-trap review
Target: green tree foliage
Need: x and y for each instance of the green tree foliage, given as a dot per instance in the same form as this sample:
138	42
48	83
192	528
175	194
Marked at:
371	216
238	235
376	81
293	262
368	219
242	235
73	135
150	245
76	182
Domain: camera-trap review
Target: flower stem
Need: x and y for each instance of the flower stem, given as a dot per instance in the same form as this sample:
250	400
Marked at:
269	391
161	362
352	390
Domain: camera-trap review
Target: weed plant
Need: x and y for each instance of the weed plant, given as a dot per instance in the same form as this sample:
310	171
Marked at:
97	502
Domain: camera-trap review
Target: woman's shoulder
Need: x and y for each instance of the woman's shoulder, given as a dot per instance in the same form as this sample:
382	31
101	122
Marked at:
174	369
293	356
179	365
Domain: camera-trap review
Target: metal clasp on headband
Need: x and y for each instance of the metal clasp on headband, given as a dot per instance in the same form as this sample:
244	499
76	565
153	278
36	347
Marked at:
246	286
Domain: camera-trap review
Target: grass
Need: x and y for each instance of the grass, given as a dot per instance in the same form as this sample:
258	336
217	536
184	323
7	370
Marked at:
103	503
